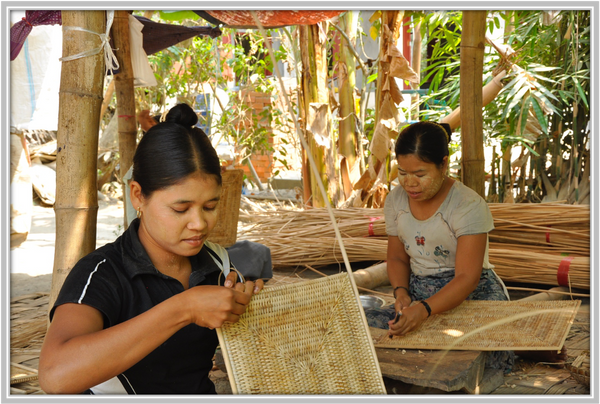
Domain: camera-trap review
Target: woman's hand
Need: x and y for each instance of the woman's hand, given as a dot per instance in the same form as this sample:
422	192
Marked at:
230	281
211	306
410	319
403	300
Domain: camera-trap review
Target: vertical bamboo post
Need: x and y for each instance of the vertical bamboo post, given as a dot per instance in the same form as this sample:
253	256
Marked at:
348	137
416	63
108	94
471	79
80	100
127	122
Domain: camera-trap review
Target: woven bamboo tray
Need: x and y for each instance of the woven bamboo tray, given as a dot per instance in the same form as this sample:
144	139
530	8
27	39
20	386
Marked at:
225	231
490	326
309	337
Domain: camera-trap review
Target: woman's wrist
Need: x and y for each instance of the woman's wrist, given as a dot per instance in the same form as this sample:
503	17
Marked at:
400	287
426	305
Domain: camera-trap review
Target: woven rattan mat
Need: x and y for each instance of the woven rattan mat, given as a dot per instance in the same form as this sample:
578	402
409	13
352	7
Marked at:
490	326
302	338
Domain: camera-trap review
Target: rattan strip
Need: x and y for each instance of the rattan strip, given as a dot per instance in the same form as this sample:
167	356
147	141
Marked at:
225	231
308	337
490	326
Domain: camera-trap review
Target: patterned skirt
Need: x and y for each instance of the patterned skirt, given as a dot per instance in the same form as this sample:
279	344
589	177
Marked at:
490	287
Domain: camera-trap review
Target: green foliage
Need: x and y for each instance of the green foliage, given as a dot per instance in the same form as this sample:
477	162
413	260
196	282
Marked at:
183	69
549	80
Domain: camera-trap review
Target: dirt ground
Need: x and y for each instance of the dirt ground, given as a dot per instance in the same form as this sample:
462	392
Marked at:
32	262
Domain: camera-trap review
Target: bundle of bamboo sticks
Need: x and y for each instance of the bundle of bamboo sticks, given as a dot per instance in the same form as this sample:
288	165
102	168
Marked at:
528	245
352	222
562	226
524	266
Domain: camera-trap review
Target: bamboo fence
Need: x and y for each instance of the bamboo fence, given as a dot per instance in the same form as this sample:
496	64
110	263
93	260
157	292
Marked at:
532	243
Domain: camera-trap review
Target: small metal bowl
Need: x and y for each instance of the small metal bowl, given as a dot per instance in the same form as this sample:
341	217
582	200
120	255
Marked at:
371	302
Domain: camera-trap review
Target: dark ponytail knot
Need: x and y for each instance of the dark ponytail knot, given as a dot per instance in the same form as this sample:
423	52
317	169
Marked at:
182	114
448	130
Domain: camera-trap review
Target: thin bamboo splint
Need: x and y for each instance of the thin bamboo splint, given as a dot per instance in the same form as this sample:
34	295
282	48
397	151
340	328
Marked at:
309	337
490	326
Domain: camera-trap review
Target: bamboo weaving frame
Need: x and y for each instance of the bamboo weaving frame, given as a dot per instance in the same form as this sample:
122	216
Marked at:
483	325
307	337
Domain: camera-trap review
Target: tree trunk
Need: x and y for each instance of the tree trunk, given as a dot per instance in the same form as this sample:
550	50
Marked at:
125	96
317	125
348	137
80	100
392	20
471	72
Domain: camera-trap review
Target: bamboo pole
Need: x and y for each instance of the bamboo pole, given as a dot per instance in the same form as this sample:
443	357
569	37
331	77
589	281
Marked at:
108	94
416	63
472	46
125	95
348	138
80	99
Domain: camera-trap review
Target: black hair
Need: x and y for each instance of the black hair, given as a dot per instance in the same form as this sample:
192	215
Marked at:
426	140
172	150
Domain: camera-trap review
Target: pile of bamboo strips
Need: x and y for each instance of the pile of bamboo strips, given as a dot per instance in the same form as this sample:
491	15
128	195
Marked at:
531	243
559	226
352	222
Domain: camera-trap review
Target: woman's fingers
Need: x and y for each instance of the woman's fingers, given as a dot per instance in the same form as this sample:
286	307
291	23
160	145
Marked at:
231	278
258	285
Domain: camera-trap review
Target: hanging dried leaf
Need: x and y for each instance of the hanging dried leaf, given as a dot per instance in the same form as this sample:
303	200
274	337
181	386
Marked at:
364	180
317	123
380	145
401	69
395	92
389	114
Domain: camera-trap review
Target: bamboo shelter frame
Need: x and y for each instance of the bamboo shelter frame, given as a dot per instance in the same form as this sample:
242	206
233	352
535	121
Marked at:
80	102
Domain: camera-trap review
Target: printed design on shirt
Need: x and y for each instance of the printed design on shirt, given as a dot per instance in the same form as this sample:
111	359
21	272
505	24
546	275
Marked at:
420	243
406	245
442	255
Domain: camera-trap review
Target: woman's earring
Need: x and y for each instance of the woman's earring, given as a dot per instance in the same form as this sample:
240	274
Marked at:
139	213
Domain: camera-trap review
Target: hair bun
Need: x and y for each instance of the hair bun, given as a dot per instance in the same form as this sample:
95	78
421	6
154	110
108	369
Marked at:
448	130
182	114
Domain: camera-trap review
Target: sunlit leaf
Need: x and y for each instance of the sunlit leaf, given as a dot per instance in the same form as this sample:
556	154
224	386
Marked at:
580	90
539	113
374	33
524	113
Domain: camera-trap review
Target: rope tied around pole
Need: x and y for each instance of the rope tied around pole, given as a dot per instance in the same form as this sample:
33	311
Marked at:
110	60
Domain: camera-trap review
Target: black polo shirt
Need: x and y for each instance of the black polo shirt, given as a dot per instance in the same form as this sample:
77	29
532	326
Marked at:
121	282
